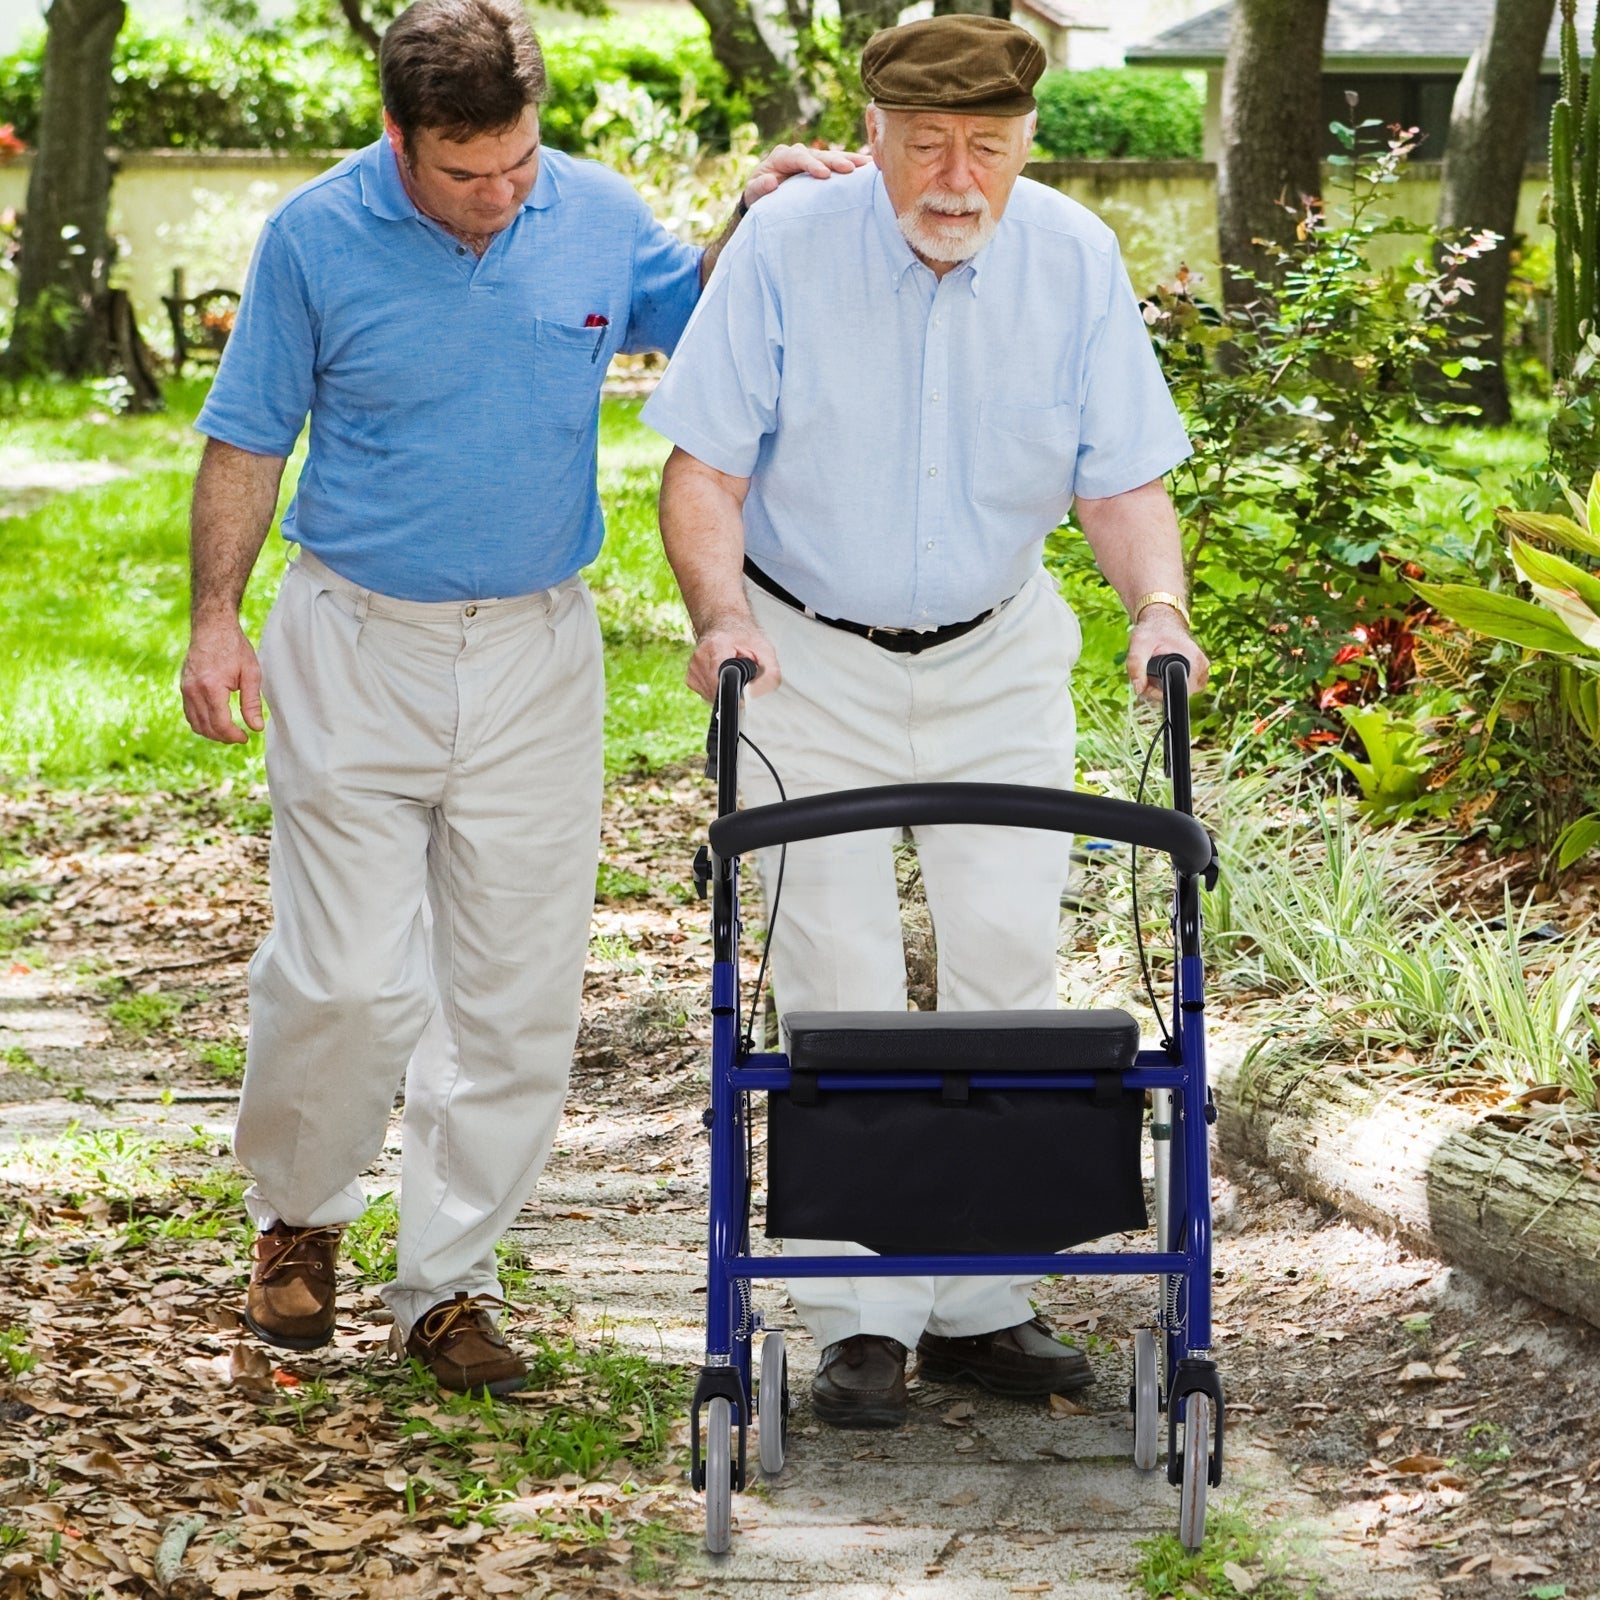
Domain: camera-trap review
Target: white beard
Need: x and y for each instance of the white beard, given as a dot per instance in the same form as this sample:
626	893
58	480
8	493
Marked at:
928	231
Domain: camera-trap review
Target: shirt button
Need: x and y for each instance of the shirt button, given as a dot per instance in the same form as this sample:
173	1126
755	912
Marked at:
930	544
938	322
461	249
934	395
933	472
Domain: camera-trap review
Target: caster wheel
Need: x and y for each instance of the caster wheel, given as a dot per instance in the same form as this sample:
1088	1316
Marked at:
1146	1401
1197	1424
719	1476
772	1405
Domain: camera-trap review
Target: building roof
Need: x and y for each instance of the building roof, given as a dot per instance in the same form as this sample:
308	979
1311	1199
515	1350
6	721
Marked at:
1057	15
1370	35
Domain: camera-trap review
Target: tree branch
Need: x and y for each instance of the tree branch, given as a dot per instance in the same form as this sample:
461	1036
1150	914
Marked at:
360	26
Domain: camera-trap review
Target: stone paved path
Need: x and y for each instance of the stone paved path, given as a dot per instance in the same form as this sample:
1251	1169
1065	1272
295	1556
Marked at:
1396	1428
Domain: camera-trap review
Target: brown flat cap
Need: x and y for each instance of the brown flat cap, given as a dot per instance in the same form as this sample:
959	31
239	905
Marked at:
977	66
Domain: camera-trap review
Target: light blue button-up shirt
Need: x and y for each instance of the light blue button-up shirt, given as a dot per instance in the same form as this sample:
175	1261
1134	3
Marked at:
911	440
454	401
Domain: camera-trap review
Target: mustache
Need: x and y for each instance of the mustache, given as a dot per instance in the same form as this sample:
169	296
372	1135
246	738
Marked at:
946	203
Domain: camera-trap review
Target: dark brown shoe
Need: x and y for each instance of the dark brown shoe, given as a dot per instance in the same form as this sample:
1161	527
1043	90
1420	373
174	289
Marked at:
861	1383
1024	1361
290	1301
459	1342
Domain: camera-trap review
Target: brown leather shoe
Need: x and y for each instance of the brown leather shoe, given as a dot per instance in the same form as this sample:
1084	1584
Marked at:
861	1383
1025	1360
290	1301
459	1342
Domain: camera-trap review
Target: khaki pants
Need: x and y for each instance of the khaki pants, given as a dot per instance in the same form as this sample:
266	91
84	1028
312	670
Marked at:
428	763
993	706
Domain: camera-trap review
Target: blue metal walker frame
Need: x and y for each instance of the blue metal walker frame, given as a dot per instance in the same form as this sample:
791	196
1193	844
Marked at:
1183	1263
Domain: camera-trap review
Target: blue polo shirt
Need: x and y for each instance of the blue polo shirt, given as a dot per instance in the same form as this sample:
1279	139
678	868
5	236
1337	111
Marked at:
454	401
910	440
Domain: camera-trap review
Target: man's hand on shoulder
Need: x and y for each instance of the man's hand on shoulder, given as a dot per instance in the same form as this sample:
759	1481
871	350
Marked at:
1160	632
794	160
221	662
725	638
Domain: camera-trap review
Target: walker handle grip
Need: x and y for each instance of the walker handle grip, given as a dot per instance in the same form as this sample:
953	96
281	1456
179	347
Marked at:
721	753
1172	673
1161	669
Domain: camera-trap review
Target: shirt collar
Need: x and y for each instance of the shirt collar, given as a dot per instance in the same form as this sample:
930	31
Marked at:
899	255
384	195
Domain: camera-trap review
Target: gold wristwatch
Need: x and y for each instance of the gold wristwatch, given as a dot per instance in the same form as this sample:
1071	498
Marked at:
1160	597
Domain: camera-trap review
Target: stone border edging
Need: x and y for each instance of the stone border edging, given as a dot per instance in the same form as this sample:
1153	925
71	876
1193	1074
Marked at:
1442	1180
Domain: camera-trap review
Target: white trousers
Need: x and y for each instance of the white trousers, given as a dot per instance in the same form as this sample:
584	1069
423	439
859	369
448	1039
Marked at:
993	706
438	757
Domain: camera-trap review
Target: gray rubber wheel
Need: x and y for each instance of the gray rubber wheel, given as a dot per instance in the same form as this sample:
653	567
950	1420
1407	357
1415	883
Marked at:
1146	1400
719	1476
1197	1423
772	1404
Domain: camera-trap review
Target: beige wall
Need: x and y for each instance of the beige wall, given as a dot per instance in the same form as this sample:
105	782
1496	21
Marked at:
1165	212
203	213
179	208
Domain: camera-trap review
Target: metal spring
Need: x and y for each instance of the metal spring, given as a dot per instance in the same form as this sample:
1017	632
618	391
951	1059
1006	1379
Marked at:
1172	1285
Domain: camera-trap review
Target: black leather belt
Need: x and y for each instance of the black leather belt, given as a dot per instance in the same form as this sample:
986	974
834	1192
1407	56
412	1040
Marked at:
904	641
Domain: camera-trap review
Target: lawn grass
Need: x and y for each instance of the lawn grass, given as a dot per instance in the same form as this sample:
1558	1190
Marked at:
94	604
94	594
652	717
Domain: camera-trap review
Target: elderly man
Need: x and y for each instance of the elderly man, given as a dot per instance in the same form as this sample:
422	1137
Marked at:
894	387
444	304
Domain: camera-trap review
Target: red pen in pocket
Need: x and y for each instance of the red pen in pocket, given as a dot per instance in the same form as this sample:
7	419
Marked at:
595	320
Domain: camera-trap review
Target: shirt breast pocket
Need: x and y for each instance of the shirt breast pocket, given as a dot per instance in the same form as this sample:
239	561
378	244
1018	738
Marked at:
1025	456
569	365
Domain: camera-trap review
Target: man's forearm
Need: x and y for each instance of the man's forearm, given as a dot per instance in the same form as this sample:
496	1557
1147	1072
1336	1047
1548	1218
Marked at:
235	497
1136	542
708	258
1139	551
702	527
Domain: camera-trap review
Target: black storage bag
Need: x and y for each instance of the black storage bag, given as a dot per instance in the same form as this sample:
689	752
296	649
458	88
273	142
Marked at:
956	1169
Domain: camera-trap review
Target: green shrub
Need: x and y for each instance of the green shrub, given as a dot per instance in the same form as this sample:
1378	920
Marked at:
668	57
1301	497
1121	113
178	89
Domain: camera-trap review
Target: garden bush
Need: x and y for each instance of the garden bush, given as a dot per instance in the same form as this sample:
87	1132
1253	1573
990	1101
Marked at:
668	57
178	89
1298	505
1120	113
225	89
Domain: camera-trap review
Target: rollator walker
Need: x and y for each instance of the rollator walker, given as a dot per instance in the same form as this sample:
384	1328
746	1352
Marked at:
869	1112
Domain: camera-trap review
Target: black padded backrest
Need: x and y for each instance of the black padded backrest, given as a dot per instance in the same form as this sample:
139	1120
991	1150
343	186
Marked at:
961	1041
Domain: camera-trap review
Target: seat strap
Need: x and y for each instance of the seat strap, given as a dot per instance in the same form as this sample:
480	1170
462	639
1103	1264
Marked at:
1107	1089
957	1089
803	1089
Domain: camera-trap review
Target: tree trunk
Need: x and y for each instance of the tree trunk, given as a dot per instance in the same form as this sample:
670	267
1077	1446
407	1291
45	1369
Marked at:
1271	133
753	66
1446	1181
1483	166
62	323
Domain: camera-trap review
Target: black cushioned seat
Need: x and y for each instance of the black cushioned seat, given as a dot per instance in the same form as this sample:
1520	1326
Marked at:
959	1168
961	1041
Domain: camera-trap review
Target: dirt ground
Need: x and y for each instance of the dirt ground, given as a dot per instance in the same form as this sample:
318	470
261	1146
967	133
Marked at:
1399	1428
